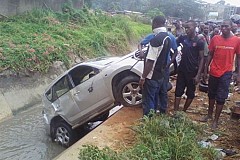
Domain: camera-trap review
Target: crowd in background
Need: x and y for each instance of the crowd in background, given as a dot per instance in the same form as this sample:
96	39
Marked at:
208	53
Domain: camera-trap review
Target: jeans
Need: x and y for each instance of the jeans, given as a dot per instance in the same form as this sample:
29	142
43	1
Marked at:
151	95
163	97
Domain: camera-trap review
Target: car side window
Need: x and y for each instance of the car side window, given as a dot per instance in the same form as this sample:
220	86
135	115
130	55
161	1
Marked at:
60	88
83	73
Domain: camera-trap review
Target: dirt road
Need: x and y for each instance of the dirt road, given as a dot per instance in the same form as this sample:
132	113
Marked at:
116	132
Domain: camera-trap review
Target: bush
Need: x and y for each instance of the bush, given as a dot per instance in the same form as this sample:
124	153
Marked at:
159	137
34	40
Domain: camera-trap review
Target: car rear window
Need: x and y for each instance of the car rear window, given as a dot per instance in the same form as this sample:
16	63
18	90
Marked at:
58	89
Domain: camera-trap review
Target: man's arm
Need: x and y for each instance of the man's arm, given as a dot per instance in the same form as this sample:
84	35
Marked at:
173	58
206	68
201	55
143	43
238	73
173	49
146	70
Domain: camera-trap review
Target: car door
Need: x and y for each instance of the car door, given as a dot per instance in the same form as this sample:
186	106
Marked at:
91	92
63	102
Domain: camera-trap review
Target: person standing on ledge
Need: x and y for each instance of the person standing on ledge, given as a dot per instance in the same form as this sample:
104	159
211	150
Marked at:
222	50
190	67
154	66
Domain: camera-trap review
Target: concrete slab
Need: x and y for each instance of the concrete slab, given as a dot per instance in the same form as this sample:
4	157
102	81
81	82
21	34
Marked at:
111	133
5	108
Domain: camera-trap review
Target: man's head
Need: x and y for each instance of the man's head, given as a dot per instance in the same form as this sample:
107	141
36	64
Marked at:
178	24
201	25
205	29
234	28
158	21
190	27
226	27
216	31
211	27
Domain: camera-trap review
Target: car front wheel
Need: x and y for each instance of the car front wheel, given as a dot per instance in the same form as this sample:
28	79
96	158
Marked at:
64	134
129	92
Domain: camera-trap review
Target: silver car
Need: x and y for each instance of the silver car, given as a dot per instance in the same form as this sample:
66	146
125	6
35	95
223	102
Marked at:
87	92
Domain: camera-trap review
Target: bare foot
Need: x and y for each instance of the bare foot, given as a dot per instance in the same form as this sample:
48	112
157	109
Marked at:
205	119
214	125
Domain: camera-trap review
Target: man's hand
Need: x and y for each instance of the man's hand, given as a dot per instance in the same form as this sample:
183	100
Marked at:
141	82
196	79
205	76
141	54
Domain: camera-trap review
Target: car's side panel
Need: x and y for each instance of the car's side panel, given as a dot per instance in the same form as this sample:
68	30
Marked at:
67	107
91	95
138	68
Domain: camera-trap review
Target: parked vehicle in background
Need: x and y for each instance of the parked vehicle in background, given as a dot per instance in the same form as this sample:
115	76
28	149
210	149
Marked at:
87	91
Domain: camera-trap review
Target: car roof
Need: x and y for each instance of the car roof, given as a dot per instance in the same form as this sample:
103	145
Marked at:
99	63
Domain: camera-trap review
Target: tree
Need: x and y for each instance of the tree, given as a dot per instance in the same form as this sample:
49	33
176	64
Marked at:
88	3
175	8
154	12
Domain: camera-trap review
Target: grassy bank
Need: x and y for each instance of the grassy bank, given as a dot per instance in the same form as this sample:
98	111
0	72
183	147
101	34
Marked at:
34	40
158	138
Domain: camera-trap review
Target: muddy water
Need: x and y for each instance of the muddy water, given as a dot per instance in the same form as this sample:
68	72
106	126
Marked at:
23	137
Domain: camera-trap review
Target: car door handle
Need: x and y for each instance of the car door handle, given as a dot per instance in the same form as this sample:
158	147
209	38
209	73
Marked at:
76	93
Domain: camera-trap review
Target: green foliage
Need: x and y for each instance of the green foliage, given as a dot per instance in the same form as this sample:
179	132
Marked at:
34	40
159	137
154	12
174	8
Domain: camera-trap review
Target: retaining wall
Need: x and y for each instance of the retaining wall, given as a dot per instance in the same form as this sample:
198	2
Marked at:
21	91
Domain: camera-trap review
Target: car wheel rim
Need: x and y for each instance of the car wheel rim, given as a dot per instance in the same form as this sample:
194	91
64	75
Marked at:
62	135
132	93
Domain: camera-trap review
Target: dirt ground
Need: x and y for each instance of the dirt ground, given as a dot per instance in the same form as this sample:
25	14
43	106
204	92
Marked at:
228	130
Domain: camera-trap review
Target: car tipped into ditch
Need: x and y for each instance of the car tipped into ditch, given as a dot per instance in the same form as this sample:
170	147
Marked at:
88	91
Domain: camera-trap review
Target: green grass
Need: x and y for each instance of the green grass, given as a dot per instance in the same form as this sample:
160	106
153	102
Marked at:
158	138
34	40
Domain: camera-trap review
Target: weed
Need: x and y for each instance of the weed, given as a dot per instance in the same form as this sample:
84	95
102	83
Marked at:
34	40
159	137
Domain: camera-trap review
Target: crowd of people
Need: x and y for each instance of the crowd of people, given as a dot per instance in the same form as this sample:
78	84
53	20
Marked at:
209	53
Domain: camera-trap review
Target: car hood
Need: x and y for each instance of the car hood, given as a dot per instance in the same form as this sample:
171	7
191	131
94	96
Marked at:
106	61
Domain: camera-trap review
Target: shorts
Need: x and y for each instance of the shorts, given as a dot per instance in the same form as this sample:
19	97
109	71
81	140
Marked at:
218	87
185	80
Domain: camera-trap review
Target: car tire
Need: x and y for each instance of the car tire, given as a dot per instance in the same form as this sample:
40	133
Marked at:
129	93
64	134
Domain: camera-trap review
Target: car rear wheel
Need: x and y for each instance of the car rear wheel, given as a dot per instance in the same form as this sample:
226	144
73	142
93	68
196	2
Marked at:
129	92
64	134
